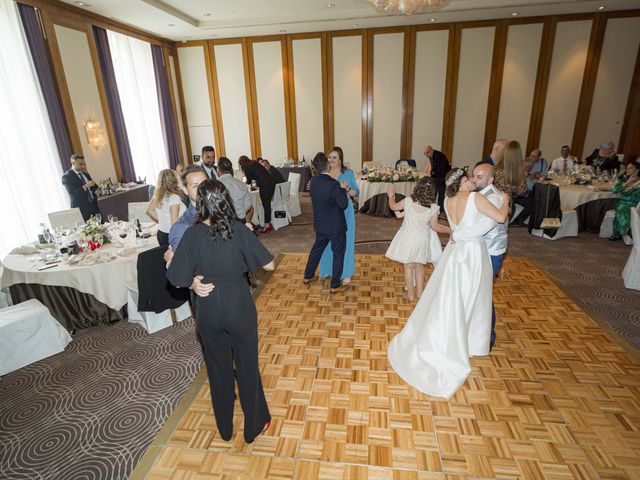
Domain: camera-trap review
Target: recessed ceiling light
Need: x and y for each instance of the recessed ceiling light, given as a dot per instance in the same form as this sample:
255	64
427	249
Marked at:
283	31
601	7
355	25
331	5
514	14
82	4
171	25
432	19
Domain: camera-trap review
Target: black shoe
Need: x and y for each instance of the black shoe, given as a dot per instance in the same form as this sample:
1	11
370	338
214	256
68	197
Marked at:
613	238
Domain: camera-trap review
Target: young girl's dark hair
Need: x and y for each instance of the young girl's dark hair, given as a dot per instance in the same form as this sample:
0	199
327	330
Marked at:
424	192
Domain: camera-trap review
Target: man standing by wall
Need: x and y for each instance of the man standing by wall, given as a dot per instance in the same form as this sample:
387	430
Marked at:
83	191
437	168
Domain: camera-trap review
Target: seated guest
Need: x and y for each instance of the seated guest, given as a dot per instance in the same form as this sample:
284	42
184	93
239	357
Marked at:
238	191
166	204
83	191
253	171
604	158
628	186
273	171
564	163
539	166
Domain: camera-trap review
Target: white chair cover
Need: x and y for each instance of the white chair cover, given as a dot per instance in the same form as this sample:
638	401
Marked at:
606	227
280	202
65	218
29	333
138	210
631	272
569	227
294	197
4	298
150	321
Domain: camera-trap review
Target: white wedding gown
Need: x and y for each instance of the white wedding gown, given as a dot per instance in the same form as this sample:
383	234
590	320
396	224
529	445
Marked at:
452	320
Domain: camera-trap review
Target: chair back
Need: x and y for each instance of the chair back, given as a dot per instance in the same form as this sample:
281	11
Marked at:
294	180
138	211
155	293
409	162
65	218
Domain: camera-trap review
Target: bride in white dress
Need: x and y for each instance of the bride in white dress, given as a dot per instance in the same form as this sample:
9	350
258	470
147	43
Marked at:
452	320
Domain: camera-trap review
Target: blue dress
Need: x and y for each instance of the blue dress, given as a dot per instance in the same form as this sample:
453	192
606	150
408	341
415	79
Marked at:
349	265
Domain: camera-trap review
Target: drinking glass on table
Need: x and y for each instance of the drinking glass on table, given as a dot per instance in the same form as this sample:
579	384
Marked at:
112	218
98	217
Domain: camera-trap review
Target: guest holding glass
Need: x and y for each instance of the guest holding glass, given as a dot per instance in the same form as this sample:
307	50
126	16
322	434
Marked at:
628	186
347	179
222	250
166	205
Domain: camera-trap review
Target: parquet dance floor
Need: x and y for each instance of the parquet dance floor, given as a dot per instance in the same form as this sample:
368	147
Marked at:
557	398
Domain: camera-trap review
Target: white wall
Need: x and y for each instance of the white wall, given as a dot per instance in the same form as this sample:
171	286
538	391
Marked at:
387	97
196	97
519	81
565	81
476	52
233	101
347	97
615	70
428	94
85	97
307	71
267	60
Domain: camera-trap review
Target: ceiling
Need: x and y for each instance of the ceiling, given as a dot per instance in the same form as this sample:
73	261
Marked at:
203	19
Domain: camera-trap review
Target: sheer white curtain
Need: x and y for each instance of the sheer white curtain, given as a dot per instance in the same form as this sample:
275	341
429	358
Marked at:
30	170
133	66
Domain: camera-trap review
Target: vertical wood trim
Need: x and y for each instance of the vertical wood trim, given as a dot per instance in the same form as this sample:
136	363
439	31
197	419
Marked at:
542	82
367	96
596	40
495	85
214	98
451	90
289	96
252	102
61	81
183	111
408	87
629	142
166	53
326	49
93	49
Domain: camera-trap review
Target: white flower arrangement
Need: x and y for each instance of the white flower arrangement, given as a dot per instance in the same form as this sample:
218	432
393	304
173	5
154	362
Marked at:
393	175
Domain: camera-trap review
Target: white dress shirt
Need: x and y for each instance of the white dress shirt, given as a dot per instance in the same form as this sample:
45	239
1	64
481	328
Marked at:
558	165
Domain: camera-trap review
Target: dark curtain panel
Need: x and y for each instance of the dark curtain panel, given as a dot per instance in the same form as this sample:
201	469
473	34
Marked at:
37	46
115	107
169	130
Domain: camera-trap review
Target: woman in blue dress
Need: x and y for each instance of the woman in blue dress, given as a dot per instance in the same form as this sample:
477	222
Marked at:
347	180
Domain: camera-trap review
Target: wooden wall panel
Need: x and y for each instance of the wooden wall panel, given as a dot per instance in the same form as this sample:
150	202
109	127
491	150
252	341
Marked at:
178	109
472	95
565	78
429	92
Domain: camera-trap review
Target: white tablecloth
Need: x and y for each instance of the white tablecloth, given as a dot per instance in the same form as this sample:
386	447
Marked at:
107	282
572	196
370	189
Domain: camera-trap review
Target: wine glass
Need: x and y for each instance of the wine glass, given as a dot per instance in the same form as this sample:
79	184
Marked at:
112	218
98	218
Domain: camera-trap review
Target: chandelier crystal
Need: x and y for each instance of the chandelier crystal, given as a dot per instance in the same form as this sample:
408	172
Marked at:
408	7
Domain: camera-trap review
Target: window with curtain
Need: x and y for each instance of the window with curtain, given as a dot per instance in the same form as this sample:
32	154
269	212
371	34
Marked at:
30	170
135	77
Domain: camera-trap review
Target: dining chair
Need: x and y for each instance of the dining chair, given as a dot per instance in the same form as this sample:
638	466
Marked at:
294	197
65	218
138	211
631	272
280	203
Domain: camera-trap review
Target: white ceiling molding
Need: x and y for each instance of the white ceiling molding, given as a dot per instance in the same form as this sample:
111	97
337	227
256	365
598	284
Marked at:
173	11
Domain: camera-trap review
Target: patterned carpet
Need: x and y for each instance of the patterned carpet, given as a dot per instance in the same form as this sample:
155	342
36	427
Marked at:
92	411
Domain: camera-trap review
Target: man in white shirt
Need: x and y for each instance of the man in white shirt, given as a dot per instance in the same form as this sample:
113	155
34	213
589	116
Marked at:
208	161
496	237
564	163
238	191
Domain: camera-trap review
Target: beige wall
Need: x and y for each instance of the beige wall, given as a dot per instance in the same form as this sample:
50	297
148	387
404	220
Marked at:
85	98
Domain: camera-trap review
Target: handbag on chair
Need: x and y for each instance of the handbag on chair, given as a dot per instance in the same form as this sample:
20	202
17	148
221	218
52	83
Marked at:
280	213
550	222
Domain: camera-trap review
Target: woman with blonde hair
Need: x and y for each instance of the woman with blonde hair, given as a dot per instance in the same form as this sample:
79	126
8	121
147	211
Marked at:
510	177
166	205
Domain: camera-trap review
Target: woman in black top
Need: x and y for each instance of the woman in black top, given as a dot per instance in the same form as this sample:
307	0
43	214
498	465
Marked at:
222	249
254	171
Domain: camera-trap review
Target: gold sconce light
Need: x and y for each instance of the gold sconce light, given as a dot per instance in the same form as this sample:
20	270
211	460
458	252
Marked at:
95	135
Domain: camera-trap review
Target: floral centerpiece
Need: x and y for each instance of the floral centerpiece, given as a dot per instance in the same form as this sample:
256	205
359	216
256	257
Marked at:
94	233
392	175
583	176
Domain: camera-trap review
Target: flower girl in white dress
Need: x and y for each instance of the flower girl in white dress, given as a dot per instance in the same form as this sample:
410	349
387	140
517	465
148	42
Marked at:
416	243
452	319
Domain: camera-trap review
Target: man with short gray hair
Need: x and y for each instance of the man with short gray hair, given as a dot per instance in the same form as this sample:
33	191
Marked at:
238	191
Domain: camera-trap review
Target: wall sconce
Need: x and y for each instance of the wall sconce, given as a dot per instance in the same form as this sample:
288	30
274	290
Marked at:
95	135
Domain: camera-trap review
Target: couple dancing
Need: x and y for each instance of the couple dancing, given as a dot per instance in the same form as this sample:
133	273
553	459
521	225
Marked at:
452	319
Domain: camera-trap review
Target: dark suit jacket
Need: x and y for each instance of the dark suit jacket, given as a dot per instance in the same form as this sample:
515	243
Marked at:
255	171
78	196
439	165
329	201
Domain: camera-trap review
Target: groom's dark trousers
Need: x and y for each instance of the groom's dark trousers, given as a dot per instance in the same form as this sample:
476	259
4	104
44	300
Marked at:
496	264
329	201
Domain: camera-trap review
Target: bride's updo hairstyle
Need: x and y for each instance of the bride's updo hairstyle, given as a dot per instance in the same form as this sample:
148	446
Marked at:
214	204
453	180
424	192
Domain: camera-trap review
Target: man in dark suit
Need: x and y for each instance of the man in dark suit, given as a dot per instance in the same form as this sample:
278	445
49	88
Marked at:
437	168
329	201
83	191
208	161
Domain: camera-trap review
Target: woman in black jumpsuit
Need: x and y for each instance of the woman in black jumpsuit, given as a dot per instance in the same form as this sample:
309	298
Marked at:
222	249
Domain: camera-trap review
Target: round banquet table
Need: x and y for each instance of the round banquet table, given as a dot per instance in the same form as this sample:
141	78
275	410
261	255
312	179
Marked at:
370	189
78	296
572	196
